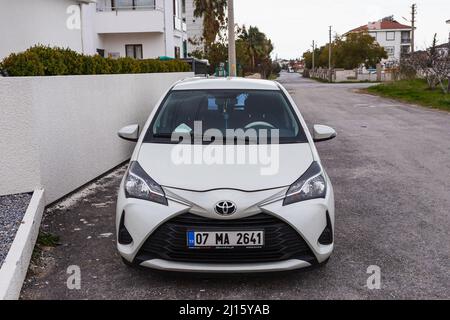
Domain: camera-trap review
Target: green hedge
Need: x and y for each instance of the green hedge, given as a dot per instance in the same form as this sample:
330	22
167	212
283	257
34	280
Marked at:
47	61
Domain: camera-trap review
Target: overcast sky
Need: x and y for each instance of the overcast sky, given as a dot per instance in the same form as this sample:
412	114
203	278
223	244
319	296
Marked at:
293	24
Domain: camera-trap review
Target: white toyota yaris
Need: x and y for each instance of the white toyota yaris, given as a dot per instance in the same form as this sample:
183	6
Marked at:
225	177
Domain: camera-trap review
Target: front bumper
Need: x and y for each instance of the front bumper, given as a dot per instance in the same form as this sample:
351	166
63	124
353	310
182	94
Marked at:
143	218
165	265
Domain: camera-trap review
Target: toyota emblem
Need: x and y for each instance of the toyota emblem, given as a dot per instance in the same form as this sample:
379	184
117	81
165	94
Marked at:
225	208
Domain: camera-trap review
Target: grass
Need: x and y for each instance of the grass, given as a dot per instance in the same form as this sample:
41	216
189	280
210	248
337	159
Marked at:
413	91
45	239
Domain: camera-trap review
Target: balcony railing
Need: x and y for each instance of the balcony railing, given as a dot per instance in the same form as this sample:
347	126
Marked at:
406	40
127	8
123	19
177	23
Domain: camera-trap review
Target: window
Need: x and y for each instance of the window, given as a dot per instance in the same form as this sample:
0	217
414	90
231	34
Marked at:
224	110
185	51
132	4
101	52
390	36
176	8
177	52
114	55
133	51
144	3
406	37
405	49
390	51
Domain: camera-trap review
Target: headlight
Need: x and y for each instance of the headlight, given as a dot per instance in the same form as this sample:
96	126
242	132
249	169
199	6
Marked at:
311	185
140	186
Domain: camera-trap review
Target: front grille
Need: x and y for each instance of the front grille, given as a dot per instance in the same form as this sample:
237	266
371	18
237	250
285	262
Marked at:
281	241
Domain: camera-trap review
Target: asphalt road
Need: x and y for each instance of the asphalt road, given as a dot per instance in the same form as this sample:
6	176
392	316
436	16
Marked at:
390	167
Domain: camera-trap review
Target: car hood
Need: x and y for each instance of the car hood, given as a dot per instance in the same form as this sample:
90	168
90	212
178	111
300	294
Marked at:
176	166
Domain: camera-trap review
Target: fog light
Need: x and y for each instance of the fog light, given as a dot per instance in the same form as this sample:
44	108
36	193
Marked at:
326	237
124	236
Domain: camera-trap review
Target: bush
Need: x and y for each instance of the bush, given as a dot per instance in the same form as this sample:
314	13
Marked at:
46	61
24	64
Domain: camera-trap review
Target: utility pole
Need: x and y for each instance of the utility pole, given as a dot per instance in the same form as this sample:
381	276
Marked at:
330	76
448	22
313	54
231	40
448	54
413	25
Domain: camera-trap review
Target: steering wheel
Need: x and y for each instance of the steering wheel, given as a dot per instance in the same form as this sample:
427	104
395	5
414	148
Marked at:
261	124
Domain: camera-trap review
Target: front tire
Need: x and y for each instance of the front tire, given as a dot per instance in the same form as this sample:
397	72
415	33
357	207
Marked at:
127	263
324	263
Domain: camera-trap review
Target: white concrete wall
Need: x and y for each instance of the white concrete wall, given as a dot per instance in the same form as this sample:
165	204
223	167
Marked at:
19	148
169	34
340	75
126	21
91	39
344	75
25	23
61	132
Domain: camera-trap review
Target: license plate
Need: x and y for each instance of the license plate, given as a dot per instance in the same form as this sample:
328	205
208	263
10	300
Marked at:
217	239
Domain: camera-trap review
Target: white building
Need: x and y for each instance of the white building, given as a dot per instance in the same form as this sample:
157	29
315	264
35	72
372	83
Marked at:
393	36
194	28
443	49
115	28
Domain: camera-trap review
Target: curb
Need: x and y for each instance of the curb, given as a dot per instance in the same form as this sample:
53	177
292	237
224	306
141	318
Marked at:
15	266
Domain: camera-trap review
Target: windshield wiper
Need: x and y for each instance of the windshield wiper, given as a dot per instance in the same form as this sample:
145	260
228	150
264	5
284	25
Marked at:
162	135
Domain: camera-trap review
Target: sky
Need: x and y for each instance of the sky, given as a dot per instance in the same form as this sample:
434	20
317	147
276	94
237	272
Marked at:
293	24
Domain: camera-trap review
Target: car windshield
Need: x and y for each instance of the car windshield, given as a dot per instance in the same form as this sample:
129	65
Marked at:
257	113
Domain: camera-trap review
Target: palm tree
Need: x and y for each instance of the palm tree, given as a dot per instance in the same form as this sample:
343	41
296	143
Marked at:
258	46
214	16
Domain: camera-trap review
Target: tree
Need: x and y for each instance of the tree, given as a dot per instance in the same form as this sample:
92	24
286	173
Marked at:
253	50
348	52
257	47
357	49
214	18
432	65
307	57
256	42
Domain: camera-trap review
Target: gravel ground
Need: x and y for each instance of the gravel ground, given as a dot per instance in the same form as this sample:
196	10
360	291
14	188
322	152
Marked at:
12	210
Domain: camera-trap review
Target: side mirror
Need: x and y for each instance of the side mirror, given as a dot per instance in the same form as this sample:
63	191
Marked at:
323	133
129	133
